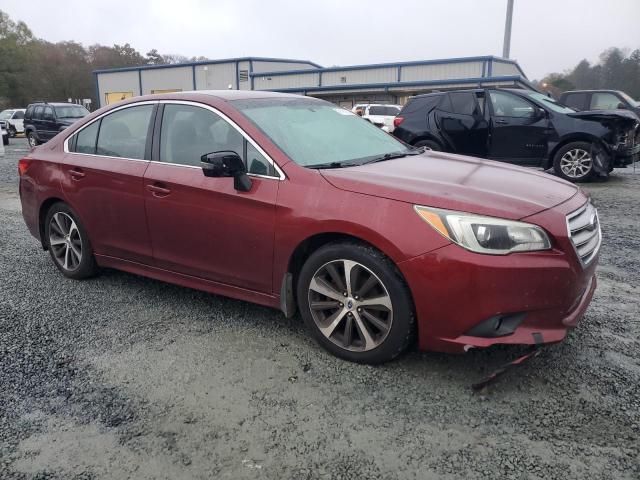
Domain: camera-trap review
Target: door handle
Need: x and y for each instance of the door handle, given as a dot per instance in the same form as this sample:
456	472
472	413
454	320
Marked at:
76	174
158	191
502	122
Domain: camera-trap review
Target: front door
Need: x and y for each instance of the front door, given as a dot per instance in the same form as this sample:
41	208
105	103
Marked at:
202	226
517	130
102	179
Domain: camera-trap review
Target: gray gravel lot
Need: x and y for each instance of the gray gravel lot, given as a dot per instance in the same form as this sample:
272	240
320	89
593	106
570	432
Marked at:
124	377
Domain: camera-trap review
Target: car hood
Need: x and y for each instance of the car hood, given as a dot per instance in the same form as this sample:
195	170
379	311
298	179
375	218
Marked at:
622	117
456	182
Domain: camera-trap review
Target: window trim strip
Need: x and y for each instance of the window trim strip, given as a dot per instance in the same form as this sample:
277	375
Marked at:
280	174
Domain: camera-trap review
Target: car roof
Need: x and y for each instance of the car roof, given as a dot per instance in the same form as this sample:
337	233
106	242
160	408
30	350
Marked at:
604	90
238	94
54	104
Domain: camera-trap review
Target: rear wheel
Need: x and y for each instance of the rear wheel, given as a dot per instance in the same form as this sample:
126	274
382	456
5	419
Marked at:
32	139
68	243
5	140
12	131
356	303
429	144
574	162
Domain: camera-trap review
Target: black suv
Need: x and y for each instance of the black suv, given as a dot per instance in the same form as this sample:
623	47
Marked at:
600	100
43	121
522	127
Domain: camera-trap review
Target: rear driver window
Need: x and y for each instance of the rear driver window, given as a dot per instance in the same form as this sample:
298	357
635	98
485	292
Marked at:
464	103
86	139
575	100
124	133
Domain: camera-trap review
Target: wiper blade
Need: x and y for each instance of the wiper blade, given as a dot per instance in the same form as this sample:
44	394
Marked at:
390	156
330	165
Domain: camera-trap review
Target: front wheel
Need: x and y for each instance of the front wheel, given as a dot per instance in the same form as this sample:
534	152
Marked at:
68	243
356	304
5	140
574	162
12	131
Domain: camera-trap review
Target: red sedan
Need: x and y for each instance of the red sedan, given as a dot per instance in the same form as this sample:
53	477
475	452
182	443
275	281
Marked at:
294	203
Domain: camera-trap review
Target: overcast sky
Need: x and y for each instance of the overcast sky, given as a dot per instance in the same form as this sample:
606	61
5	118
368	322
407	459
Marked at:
548	35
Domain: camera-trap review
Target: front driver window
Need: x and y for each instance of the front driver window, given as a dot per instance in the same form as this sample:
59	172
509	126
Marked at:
604	101
507	105
190	132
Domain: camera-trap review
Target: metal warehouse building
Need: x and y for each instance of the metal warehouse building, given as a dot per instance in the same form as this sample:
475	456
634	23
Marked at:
380	83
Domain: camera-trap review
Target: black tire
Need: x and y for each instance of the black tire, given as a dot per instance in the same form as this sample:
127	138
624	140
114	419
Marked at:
561	169
430	144
399	335
12	131
32	139
87	266
5	140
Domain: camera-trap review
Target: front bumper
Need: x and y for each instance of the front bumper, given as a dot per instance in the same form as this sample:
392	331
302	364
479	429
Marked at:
627	155
455	290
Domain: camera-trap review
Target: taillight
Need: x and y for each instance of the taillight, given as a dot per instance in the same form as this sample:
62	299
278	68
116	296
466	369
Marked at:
397	121
23	166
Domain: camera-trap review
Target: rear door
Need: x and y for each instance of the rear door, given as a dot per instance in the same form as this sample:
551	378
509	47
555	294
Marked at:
18	121
102	178
518	131
48	130
462	123
201	226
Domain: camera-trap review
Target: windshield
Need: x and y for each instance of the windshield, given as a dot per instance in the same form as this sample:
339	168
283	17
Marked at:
626	97
71	111
6	114
550	103
314	133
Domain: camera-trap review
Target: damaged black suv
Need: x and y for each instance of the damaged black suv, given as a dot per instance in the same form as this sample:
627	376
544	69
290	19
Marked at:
522	127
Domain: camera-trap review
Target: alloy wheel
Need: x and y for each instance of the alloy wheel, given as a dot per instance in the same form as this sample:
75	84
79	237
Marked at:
65	241
576	163
350	305
32	140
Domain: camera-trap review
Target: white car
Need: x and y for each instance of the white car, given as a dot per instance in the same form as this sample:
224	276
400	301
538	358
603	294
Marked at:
15	120
381	115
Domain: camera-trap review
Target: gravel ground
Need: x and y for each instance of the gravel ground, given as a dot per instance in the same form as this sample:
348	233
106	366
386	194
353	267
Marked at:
124	377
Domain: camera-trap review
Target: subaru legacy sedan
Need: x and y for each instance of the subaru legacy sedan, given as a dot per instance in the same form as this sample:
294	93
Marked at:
294	203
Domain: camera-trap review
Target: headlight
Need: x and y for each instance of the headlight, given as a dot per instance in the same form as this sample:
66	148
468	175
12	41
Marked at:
489	235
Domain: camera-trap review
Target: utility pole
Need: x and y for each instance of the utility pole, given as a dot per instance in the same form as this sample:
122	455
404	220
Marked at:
506	47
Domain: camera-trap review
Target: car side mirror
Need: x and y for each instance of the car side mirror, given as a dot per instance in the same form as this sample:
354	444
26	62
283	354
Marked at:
621	106
226	164
541	112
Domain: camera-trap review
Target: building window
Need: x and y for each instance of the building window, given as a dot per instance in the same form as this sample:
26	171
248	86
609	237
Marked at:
243	75
343	79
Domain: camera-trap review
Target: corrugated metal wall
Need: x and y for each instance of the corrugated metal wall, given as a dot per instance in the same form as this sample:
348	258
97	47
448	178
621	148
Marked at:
216	76
276	82
176	78
440	71
357	77
500	69
117	82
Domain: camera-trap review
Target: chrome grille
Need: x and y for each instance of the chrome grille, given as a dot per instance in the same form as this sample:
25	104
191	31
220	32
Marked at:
585	233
